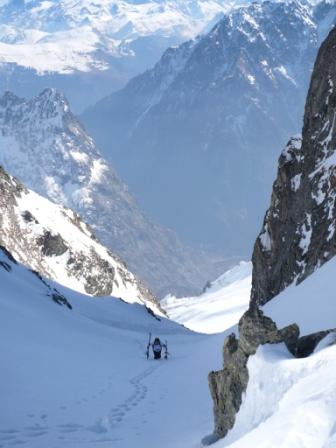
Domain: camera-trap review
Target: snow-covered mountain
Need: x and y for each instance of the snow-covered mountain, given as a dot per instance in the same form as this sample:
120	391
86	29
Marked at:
292	301
44	145
219	307
73	44
205	124
57	244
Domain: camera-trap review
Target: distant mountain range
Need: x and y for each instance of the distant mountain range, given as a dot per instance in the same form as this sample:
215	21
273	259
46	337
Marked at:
45	146
92	46
197	137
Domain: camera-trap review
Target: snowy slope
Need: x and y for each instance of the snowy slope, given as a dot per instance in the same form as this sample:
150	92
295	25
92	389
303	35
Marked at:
318	291
219	307
55	242
80	378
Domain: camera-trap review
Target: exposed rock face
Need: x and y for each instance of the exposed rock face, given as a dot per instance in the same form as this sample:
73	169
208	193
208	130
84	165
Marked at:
46	148
202	125
57	244
298	233
298	236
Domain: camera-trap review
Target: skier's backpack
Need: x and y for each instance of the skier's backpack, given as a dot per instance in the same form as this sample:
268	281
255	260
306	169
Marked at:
157	347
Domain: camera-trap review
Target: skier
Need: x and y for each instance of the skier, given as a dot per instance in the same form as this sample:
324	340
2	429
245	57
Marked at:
157	347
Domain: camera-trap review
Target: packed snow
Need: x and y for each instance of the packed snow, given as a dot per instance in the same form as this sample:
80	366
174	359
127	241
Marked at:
219	307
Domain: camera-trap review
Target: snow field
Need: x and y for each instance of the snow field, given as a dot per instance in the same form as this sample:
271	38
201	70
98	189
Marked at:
80	378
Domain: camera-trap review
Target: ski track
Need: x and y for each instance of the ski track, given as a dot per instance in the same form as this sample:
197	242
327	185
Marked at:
75	433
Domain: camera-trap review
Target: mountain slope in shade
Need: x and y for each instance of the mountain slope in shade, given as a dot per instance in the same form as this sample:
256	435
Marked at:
44	145
205	124
57	244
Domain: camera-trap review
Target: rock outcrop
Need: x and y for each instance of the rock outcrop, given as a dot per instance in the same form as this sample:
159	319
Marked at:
227	385
297	237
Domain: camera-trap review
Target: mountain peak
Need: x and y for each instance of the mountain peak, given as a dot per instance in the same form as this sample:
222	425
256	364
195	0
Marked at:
10	99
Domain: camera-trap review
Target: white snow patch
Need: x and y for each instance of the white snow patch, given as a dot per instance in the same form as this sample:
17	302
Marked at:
219	307
306	232
265	239
296	182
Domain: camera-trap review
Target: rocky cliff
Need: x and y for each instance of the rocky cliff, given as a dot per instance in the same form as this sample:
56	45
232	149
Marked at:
297	237
56	243
298	233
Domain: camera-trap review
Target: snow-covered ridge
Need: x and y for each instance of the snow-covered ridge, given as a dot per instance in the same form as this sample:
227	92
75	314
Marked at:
219	307
53	241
